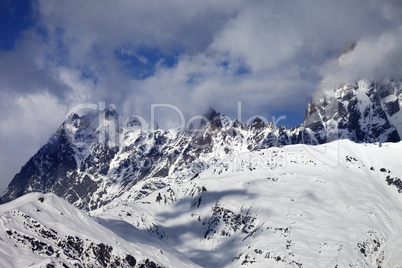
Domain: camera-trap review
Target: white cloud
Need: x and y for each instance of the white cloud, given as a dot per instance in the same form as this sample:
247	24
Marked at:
260	39
268	54
26	124
372	58
144	23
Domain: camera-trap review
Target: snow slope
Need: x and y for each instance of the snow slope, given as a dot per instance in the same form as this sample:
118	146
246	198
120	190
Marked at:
297	206
40	230
94	158
223	196
332	205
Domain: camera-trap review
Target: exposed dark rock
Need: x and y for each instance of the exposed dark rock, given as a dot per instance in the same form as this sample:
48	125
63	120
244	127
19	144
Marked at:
131	260
77	165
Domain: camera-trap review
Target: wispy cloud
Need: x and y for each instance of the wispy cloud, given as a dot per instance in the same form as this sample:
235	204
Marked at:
373	58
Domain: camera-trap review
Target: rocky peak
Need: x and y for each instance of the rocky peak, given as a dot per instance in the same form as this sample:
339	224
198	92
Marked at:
110	113
257	123
356	111
88	171
347	50
214	120
237	124
133	123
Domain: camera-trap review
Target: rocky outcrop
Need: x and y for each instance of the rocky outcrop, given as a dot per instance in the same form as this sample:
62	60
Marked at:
94	158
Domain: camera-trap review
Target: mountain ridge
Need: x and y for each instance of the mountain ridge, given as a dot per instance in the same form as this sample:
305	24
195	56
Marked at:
88	154
50	232
325	193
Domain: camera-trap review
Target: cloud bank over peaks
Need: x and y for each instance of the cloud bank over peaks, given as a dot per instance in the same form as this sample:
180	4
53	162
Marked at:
268	55
372	58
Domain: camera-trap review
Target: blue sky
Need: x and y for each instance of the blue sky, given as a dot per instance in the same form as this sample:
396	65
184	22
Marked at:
15	16
271	56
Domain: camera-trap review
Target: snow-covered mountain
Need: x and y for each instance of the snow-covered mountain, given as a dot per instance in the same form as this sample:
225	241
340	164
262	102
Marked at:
281	207
228	194
361	112
275	207
89	171
43	230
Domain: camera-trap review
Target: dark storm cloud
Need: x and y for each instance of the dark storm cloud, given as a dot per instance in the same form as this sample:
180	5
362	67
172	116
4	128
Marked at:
197	54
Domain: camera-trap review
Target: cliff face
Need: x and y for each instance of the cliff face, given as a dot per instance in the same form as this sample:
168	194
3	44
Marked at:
216	194
89	161
362	112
